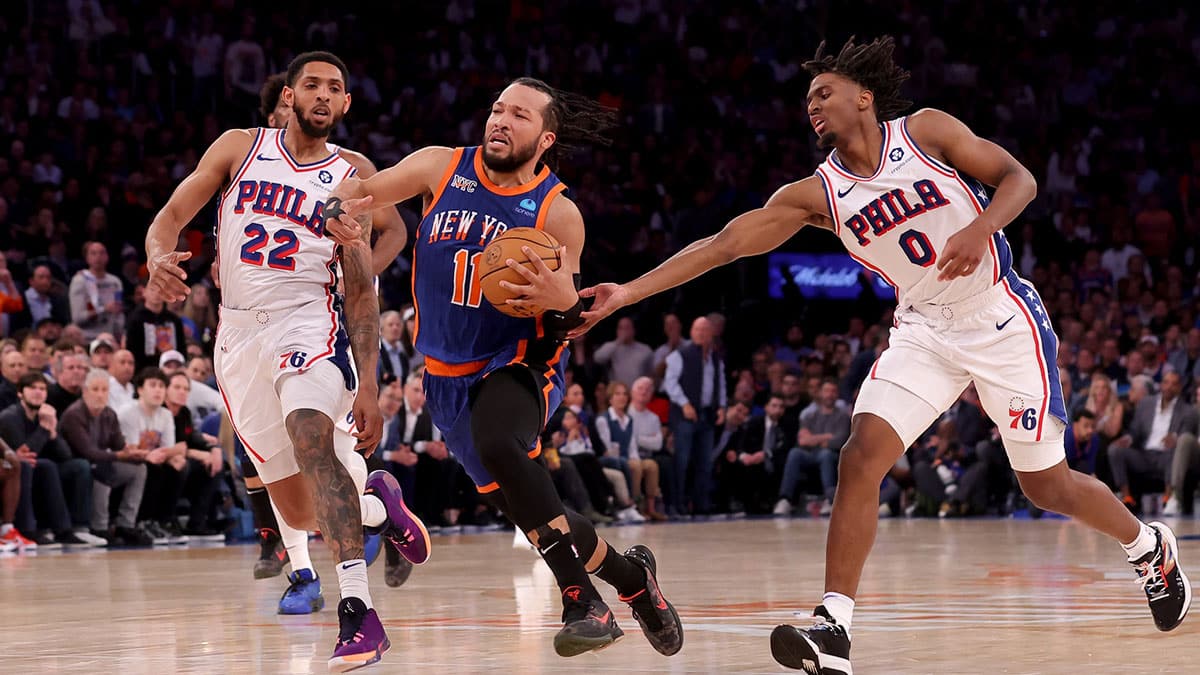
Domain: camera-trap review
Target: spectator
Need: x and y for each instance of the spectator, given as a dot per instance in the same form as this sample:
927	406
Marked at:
101	351
31	428
792	350
11	300
572	441
1185	360
69	370
1161	443
673	329
395	349
154	428
695	383
170	362
625	358
96	295
436	470
616	432
36	358
12	367
45	298
400	458
729	440
120	380
756	467
205	464
1082	442
153	330
49	330
1103	403
93	433
203	400
648	434
200	311
823	431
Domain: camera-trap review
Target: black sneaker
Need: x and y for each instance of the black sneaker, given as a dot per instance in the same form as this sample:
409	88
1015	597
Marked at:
173	531
1167	587
657	617
822	649
132	536
272	555
158	536
69	538
45	541
396	573
588	625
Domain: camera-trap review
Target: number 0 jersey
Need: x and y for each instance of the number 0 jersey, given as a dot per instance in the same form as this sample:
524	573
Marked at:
455	324
896	222
271	247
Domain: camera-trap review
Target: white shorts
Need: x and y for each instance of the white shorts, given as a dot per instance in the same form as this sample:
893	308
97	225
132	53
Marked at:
269	364
1003	341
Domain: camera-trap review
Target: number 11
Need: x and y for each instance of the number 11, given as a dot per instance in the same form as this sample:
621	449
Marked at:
466	293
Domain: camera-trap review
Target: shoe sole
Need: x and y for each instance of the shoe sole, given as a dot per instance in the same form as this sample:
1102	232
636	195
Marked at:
1168	534
646	557
567	646
314	607
344	664
791	648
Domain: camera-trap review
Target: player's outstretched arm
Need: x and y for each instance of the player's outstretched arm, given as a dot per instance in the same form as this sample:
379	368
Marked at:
948	138
214	169
387	221
362	327
417	174
792	207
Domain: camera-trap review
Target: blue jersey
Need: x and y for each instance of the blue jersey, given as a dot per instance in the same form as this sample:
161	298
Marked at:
455	324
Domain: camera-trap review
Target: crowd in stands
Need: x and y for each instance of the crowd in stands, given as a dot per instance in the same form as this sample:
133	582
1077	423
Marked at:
711	399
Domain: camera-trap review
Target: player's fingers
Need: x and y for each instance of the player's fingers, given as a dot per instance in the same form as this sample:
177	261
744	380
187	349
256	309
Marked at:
183	255
524	271
588	292
519	289
535	260
353	207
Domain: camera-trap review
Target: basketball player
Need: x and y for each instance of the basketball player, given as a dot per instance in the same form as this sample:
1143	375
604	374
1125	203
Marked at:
899	193
284	347
303	594
491	379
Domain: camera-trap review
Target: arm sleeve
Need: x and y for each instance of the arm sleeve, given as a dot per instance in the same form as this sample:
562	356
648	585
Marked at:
671	380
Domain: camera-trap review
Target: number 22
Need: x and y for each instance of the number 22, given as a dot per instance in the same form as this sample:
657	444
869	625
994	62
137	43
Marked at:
280	257
467	291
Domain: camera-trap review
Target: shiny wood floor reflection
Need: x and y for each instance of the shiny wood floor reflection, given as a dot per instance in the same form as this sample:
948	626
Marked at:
939	597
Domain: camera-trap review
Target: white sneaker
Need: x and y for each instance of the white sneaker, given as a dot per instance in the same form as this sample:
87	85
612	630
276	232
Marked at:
783	507
826	507
90	539
630	515
1172	507
8	547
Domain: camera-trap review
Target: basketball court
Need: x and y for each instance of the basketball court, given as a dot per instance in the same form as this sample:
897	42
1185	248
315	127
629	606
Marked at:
959	596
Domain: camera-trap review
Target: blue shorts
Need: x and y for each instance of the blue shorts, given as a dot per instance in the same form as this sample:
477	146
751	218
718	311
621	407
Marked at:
450	390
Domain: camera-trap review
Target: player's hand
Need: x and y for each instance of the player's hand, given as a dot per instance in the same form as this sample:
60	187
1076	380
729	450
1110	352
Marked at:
607	298
368	423
345	230
167	277
545	288
964	250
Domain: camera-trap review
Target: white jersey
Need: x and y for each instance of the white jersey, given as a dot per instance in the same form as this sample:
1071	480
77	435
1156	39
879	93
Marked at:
897	221
271	247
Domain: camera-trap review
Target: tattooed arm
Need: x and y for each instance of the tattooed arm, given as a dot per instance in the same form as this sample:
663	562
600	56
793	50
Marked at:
362	327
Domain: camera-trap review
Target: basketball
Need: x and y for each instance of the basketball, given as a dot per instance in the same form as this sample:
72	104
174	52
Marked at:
493	270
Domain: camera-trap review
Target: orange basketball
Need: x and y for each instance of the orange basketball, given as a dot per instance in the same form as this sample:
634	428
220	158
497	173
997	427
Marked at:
493	270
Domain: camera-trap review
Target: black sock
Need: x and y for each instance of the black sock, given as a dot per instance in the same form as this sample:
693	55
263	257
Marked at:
621	573
558	550
264	515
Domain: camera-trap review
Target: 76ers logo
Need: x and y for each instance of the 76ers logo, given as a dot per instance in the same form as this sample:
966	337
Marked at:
294	359
1026	417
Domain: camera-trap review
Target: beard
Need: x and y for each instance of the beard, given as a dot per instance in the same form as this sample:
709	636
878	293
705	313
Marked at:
827	140
515	159
310	128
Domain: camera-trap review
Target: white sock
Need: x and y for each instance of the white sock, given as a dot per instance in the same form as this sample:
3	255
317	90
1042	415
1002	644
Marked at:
352	578
295	541
840	607
1145	542
5	529
374	513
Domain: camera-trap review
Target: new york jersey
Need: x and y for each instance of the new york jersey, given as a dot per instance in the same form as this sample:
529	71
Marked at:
896	222
271	247
454	322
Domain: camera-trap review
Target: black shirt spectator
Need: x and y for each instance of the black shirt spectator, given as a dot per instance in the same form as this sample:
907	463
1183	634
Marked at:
153	330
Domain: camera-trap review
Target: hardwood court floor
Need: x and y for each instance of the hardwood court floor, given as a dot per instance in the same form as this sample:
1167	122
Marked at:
982	596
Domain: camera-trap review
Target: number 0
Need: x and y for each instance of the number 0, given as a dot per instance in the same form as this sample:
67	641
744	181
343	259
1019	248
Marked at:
917	247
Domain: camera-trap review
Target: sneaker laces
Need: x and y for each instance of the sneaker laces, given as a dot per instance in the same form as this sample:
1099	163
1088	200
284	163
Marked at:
819	623
1151	579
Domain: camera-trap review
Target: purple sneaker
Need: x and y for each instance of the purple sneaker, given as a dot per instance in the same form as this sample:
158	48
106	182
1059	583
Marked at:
403	528
361	640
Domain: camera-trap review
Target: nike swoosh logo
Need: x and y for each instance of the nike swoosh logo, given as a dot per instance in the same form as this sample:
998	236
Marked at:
346	567
267	159
847	191
1000	326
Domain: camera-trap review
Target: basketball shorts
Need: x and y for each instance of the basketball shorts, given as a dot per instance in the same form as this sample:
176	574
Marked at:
1000	339
450	391
269	364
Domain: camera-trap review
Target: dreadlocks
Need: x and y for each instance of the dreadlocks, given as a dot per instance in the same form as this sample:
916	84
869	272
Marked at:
575	120
871	67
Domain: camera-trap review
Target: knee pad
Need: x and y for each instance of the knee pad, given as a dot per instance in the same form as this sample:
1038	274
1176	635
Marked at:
1031	456
584	533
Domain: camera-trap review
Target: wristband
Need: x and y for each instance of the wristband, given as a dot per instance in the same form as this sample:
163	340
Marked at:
558	324
332	208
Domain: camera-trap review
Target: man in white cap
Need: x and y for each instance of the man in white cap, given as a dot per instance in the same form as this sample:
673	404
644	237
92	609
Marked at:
171	362
101	350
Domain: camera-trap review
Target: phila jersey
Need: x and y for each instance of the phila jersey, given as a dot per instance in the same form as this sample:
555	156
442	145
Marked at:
896	222
271	247
454	322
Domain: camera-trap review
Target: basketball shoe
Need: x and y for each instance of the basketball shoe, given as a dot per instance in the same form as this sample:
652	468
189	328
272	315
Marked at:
1167	587
361	638
402	527
588	625
822	649
303	596
14	536
272	555
372	545
657	617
